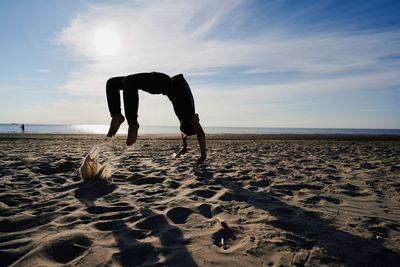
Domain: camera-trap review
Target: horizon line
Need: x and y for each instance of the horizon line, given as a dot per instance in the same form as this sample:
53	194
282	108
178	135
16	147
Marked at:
205	126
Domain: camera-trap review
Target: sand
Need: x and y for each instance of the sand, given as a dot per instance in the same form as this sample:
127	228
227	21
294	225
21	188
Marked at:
259	201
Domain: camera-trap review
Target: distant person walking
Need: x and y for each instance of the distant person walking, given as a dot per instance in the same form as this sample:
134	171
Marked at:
175	88
22	128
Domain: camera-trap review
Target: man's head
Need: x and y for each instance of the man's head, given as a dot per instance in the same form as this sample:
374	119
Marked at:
187	128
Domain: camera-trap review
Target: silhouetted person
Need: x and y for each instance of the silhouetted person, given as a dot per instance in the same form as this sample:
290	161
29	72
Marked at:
23	128
176	89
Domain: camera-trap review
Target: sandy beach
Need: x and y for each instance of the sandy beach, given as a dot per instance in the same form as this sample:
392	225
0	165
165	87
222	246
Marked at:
259	201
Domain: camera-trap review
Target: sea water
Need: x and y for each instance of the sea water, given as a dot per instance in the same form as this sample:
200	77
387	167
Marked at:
103	129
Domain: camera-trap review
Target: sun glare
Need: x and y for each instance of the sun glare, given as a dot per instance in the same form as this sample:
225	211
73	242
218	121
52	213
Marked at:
106	42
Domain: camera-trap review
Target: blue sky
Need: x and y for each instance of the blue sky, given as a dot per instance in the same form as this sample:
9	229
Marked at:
250	63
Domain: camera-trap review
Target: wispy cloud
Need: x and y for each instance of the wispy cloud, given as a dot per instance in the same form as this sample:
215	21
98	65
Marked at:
42	70
58	112
163	36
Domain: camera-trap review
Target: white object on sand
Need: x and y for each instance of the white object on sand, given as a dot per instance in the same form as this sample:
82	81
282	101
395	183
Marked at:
92	169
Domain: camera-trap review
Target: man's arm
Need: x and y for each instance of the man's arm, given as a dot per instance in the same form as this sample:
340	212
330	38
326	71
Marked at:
184	146
201	138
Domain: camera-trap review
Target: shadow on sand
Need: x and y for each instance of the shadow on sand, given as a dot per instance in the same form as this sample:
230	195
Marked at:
89	191
308	228
132	251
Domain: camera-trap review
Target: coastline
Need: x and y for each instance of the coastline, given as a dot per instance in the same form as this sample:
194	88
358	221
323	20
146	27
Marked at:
334	137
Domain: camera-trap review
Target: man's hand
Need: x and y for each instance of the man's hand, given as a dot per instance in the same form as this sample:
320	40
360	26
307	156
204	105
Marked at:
199	162
181	152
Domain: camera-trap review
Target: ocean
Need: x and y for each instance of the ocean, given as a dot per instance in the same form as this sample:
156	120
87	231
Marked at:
103	128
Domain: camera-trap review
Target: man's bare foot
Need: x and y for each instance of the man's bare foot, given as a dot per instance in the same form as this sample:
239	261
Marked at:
132	134
116	121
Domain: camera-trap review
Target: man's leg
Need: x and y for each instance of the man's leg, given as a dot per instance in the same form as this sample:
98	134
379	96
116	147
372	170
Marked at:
114	104
153	83
132	83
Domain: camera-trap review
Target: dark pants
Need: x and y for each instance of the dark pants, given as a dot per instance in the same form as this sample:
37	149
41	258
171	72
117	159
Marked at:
153	83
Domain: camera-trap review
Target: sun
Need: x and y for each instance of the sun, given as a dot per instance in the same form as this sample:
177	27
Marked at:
106	41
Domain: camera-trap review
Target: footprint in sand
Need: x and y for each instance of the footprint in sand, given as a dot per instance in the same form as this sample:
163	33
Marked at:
148	180
153	222
204	193
230	197
316	199
205	210
260	183
179	215
174	185
102	209
60	249
24	222
105	226
354	190
62	166
224	236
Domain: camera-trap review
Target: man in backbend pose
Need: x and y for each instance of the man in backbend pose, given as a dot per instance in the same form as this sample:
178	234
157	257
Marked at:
175	88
